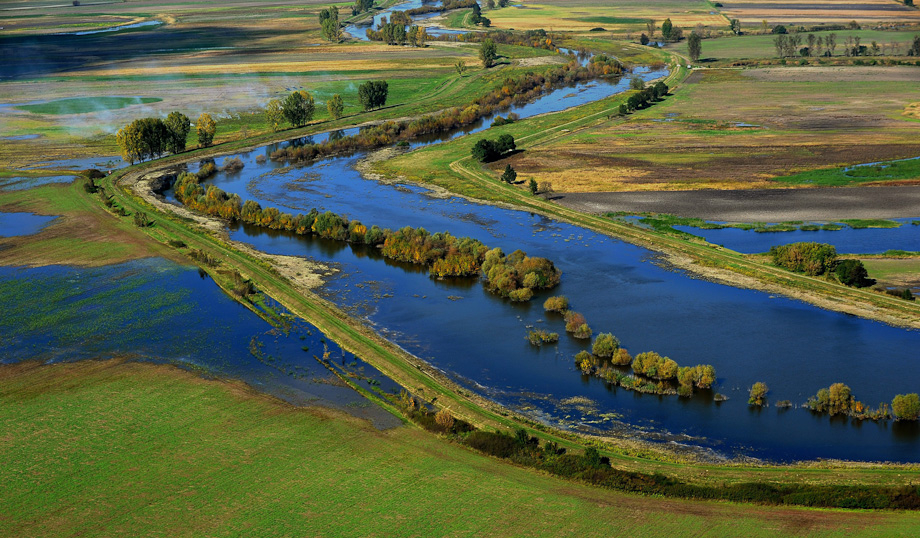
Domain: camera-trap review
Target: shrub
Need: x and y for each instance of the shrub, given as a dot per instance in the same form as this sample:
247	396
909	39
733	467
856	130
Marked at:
540	337
621	358
521	295
906	406
807	257
605	345
493	443
582	332
653	365
586	362
758	394
573	320
444	419
558	303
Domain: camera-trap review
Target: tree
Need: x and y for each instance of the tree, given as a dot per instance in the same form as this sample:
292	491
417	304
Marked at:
533	187
509	175
853	273
914	49
336	106
373	94
695	45
758	395
361	6
207	128
487	53
906	406
484	150
636	83
298	108
666	28
460	66
735	25
178	126
650	26
503	3
806	257
129	140
830	41
504	144
643	39
329	24
779	29
274	115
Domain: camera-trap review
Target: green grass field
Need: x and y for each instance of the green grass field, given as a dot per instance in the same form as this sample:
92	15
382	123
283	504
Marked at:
83	105
103	448
761	46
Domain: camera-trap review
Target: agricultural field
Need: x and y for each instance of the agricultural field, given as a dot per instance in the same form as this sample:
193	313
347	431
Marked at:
740	129
753	12
129	447
619	17
754	46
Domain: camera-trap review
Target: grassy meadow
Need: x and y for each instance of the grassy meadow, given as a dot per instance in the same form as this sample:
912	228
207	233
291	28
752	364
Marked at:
102	448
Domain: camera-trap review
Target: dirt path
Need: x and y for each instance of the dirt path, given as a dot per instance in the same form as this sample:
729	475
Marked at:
759	205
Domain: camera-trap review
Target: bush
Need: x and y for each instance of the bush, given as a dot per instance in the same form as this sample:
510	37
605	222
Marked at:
906	406
807	257
493	443
444	419
586	362
653	365
540	337
521	295
621	358
758	394
558	303
583	332
605	345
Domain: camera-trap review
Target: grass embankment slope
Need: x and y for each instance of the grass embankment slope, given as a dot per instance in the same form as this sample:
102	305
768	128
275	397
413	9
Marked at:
103	448
734	129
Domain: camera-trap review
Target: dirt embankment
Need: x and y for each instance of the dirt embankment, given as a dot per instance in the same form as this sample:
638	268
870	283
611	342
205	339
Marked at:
304	273
758	205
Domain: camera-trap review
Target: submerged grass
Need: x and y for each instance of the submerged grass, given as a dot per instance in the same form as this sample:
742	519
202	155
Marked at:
835	177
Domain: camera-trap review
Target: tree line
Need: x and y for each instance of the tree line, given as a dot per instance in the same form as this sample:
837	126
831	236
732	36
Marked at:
515	276
149	138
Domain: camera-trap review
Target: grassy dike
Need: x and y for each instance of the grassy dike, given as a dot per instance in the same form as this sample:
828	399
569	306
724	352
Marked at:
413	374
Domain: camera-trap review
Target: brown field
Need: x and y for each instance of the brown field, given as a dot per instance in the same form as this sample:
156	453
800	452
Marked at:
621	16
819	11
736	129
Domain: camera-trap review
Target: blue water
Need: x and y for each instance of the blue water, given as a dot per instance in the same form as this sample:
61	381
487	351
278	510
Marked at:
479	339
847	240
15	224
158	311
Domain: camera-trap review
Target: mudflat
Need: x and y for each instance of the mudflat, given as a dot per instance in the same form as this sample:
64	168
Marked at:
758	205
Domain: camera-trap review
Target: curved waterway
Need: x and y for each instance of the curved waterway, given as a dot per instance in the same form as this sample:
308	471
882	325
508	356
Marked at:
479	339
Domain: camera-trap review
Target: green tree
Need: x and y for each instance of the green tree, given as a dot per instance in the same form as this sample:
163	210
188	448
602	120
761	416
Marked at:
460	66
853	273
735	26
666	29
650	25
361	6
533	186
758	394
484	150
906	406
336	106
373	94
488	53
636	83
178	126
329	24
274	114
695	46
509	175
298	108
805	257
504	144
207	128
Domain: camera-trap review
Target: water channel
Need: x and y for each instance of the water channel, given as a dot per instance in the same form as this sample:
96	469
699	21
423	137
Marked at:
478	339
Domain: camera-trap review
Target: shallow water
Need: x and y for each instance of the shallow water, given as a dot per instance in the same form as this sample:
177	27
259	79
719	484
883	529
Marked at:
16	224
158	311
479	339
847	240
